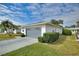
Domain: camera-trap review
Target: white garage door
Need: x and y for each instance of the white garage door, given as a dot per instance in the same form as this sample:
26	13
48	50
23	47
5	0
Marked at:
34	32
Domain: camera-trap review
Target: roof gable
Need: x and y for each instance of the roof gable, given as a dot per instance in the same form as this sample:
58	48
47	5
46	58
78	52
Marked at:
42	23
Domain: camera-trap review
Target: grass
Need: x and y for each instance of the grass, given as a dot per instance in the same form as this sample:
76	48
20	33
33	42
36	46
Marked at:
65	46
6	36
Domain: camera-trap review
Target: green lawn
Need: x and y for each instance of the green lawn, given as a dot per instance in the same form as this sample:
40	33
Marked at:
66	45
6	36
9	36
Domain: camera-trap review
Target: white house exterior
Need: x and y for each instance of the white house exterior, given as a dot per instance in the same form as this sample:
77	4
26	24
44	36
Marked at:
36	30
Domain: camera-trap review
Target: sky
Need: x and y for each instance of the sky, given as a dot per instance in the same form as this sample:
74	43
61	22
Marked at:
28	13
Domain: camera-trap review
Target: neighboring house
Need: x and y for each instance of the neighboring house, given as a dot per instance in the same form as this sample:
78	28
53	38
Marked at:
36	30
15	31
10	31
74	30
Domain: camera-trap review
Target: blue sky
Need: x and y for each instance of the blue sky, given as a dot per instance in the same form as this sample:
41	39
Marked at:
27	13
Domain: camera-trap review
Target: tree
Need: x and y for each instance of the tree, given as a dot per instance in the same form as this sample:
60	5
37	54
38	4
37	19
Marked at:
7	25
73	26
57	22
60	21
53	21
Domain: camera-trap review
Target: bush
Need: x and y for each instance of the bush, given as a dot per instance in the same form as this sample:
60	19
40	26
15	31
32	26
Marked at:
22	35
49	37
66	32
40	39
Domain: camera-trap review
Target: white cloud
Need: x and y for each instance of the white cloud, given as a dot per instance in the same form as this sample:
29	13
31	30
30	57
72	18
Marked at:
3	18
40	12
11	15
55	11
3	6
4	9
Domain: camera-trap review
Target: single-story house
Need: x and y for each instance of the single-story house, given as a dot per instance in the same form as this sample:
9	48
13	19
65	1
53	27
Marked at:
36	30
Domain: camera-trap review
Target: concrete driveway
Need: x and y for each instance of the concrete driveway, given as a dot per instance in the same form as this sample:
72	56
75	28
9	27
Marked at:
10	45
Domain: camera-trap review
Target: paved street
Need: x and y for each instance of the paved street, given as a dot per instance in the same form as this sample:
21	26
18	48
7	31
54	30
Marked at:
10	45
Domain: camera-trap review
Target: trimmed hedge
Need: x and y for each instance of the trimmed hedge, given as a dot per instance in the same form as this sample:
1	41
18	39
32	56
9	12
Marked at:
66	32
49	37
40	39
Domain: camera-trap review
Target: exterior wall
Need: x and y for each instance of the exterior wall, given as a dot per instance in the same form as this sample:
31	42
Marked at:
53	29
23	31
59	30
37	31
15	31
50	28
43	29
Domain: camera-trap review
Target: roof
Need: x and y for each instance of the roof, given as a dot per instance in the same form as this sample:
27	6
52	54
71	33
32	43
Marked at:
76	28
41	23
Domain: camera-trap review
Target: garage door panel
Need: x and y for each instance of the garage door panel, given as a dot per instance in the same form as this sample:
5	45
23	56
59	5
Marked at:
34	32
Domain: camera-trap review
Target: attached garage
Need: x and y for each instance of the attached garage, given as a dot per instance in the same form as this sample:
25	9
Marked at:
34	32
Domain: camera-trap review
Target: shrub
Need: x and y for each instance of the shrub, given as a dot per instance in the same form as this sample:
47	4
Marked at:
66	32
40	39
22	35
49	37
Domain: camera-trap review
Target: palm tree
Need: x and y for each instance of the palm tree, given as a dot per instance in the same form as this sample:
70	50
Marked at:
6	25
